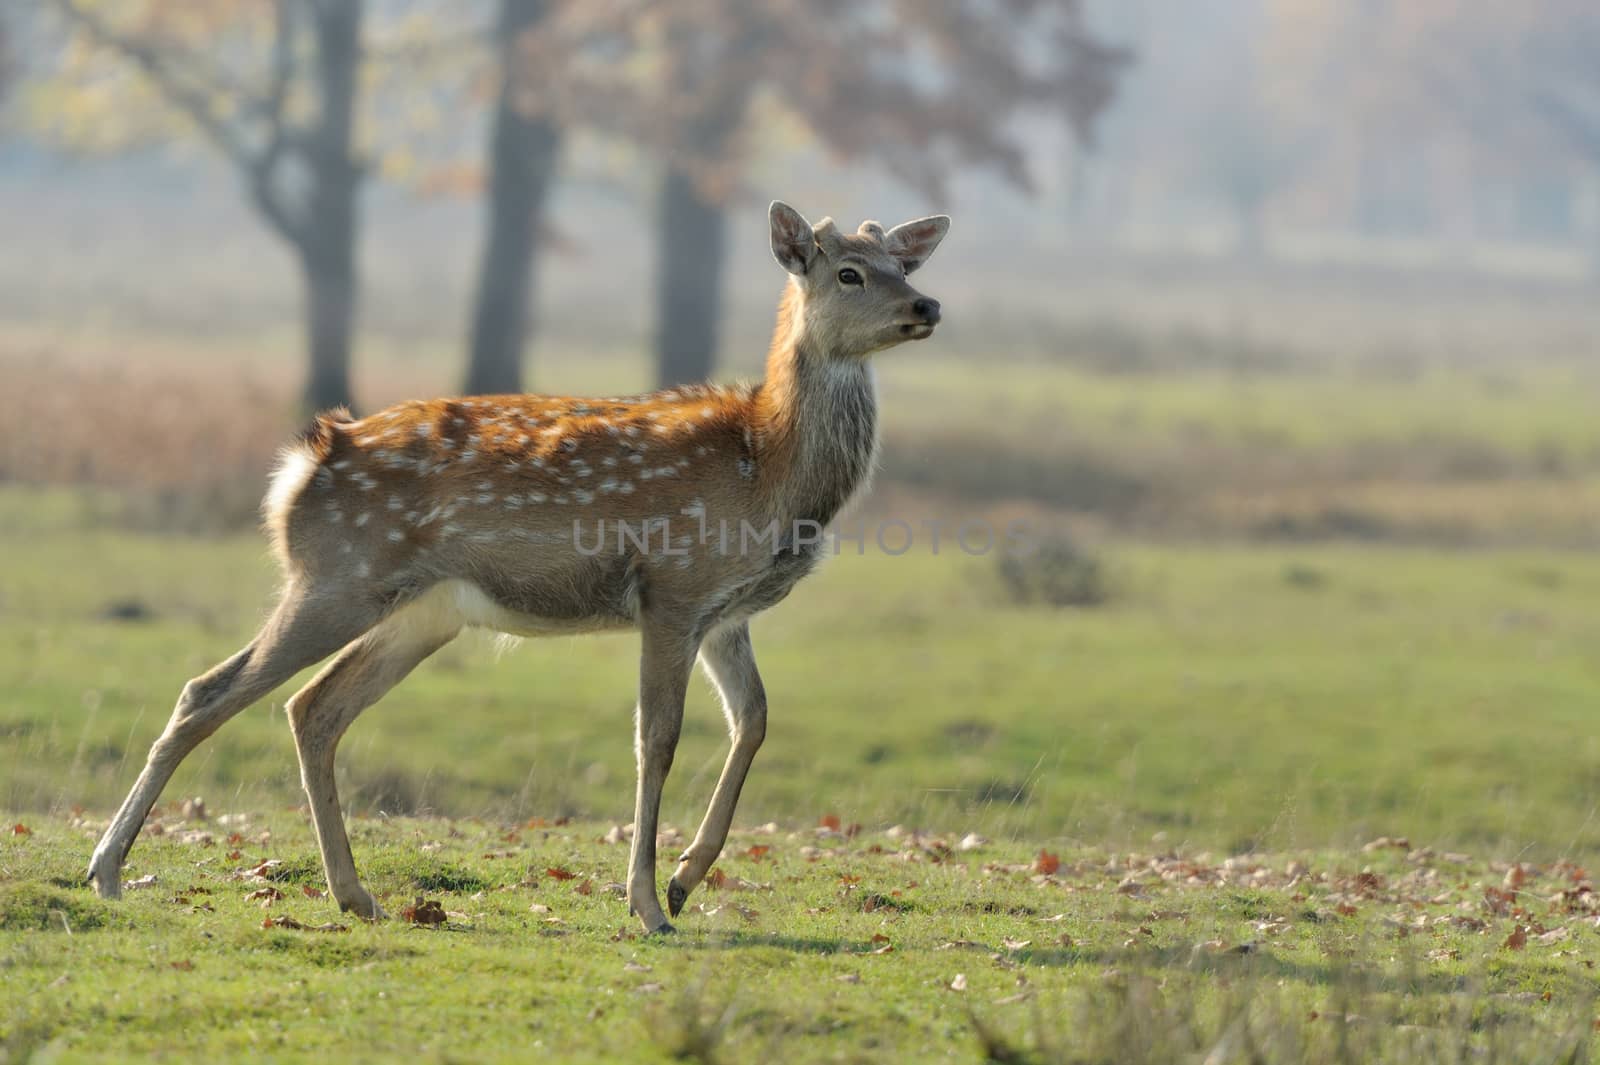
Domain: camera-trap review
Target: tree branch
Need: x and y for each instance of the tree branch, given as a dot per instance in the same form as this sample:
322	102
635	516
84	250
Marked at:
262	169
177	86
192	101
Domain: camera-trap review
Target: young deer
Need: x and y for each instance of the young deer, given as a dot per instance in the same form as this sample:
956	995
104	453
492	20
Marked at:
398	530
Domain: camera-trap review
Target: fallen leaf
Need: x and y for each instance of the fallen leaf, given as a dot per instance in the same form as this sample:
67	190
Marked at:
757	851
848	978
539	907
636	967
429	912
1016	944
585	888
648	989
1047	864
1397	842
142	882
285	921
716	880
184	966
311	892
959	983
20	829
879	937
830	822
266	896
1517	939
557	873
971	842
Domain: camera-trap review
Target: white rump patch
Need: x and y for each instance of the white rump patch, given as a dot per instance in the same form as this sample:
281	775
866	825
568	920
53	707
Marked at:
296	467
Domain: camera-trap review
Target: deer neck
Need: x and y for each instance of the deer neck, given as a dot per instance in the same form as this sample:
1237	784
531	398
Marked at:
816	419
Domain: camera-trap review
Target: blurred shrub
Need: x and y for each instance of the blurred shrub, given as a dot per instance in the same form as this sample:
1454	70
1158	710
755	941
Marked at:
1059	574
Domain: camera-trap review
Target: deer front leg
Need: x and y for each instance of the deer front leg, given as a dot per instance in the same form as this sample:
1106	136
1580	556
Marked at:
730	662
666	657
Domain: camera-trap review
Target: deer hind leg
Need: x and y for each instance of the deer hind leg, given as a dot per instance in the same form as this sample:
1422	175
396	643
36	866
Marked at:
320	713
302	631
730	663
666	657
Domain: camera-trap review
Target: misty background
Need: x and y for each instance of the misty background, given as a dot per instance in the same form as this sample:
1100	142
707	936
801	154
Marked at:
1249	268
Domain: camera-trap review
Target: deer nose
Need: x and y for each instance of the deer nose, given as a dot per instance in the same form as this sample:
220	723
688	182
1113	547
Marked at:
926	309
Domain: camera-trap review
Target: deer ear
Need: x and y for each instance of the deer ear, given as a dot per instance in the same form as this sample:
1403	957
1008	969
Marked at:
794	244
912	242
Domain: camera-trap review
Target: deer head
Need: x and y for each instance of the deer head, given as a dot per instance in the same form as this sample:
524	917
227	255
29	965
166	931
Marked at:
852	287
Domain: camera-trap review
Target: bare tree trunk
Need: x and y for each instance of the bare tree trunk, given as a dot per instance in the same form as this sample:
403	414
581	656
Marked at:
691	250
328	241
316	211
523	153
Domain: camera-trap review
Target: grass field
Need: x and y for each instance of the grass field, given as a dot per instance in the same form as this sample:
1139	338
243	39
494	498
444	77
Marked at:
817	945
1228	698
1338	597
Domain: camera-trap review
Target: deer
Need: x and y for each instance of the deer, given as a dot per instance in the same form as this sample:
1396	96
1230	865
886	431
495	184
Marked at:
396	531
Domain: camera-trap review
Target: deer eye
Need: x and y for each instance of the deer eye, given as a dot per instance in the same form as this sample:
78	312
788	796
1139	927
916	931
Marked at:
847	276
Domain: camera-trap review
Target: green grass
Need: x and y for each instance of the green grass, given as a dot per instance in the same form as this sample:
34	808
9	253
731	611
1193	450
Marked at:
1225	697
1277	705
816	948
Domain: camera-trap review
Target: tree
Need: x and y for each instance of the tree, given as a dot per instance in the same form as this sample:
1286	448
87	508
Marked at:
921	88
524	148
286	125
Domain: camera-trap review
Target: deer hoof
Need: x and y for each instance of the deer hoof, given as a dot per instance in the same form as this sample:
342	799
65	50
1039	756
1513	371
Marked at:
677	894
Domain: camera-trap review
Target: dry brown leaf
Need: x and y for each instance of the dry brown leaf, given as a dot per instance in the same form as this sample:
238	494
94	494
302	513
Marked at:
1046	863
312	893
429	912
830	822
184	966
20	829
266	896
1016	944
879	937
1517	939
585	888
285	921
757	851
558	873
